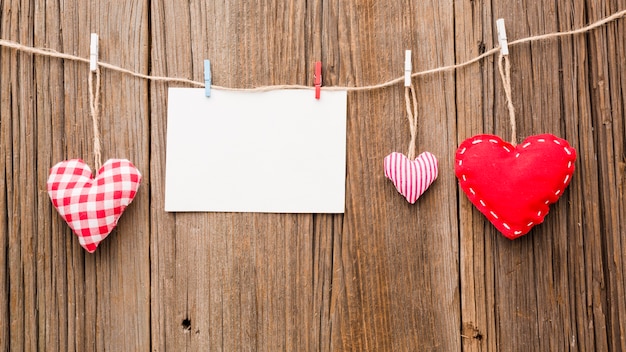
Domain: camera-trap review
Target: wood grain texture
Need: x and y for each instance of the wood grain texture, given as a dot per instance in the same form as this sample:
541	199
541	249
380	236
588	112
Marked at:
548	290
384	276
397	261
235	281
58	297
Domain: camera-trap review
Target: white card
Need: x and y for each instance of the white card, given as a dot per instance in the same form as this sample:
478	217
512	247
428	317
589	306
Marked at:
280	151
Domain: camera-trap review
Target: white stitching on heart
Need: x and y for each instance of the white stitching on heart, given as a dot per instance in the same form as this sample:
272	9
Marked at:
526	145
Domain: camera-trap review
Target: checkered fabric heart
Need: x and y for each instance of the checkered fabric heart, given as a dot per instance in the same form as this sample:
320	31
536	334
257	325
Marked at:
411	177
92	206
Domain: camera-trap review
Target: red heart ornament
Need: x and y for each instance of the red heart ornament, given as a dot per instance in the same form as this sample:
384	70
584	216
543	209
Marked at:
411	178
514	186
92	206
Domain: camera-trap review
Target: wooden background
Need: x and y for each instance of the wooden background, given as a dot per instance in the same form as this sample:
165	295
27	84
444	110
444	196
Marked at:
384	276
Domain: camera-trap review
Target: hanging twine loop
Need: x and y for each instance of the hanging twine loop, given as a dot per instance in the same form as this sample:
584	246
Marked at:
94	110
504	66
410	99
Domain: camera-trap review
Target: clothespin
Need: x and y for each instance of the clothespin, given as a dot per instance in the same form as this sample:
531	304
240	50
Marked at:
93	53
207	78
318	79
504	46
408	68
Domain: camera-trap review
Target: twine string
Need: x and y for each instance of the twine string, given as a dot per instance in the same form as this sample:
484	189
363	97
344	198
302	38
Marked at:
52	53
410	99
94	110
504	66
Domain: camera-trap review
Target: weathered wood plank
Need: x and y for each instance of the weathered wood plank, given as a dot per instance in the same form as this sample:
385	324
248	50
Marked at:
52	288
111	289
606	83
395	261
474	106
384	276
5	176
58	297
20	176
546	292
5	158
234	281
165	331
581	209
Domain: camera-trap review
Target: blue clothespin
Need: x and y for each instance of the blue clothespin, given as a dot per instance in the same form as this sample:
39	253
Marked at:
207	78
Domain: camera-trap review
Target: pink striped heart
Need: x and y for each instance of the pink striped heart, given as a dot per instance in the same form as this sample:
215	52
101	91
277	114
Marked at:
411	178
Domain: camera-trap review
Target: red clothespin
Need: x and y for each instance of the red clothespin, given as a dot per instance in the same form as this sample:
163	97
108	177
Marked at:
318	79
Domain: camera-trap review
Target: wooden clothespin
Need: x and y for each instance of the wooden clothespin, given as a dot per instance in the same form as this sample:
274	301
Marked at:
408	68
93	53
504	46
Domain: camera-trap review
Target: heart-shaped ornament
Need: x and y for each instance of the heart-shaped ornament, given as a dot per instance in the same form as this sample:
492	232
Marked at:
411	177
514	186
92	206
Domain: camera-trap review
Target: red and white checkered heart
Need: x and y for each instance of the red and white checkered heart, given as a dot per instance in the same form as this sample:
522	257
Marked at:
92	206
411	178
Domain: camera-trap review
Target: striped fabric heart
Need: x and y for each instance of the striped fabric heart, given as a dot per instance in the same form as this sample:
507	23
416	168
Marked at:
92	206
411	178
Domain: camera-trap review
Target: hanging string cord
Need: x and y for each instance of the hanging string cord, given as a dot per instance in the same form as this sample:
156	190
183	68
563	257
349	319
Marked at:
94	109
504	66
52	53
410	99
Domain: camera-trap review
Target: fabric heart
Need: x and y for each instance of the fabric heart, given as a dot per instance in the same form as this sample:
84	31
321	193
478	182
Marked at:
411	178
514	186
92	206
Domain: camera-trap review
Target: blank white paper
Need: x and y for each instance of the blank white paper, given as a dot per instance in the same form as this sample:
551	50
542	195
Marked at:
280	151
